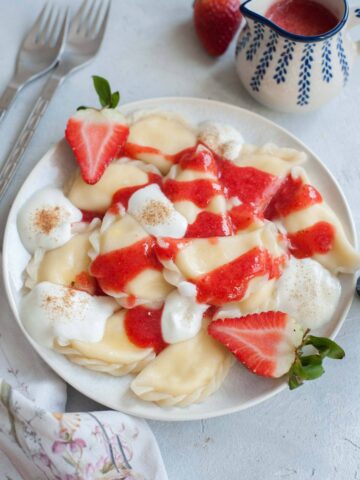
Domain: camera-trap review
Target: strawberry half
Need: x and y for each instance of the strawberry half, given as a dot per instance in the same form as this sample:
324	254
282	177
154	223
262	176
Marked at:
97	136
271	344
216	23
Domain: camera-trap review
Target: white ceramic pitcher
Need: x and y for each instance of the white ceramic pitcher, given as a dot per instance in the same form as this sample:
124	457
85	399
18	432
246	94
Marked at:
295	73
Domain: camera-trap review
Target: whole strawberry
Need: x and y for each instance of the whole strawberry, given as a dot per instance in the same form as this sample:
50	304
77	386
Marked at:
216	23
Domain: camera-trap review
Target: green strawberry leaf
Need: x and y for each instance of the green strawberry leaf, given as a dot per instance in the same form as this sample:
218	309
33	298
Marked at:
115	98
82	108
295	378
103	90
312	367
326	347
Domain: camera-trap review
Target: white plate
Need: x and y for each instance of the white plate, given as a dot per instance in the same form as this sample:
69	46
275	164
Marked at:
240	389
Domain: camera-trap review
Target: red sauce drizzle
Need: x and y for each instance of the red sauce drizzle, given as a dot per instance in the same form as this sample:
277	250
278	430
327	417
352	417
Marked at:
200	191
134	151
88	215
229	282
123	195
209	224
143	328
86	283
292	196
242	217
114	270
302	17
201	160
317	239
251	185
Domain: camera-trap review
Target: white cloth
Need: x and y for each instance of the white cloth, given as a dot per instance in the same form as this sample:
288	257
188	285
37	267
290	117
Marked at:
37	442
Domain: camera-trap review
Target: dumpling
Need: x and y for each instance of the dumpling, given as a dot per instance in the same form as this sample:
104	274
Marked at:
63	265
157	138
114	354
185	372
124	261
224	269
120	179
194	188
314	229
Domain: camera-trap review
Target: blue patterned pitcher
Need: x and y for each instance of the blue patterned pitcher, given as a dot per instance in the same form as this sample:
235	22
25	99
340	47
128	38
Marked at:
295	73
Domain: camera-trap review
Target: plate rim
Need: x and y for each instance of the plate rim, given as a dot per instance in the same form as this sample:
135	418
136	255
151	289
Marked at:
177	414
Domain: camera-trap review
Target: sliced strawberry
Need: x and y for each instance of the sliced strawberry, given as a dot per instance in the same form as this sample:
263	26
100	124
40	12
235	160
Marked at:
143	328
216	23
96	138
86	283
271	344
264	342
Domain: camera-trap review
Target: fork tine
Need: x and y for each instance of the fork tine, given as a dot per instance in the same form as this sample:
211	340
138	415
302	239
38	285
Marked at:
102	27
77	20
52	36
63	28
34	32
93	18
43	34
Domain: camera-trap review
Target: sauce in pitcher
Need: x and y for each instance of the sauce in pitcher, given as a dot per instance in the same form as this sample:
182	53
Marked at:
302	17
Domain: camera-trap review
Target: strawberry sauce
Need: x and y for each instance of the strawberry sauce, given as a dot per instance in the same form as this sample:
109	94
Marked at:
292	196
114	270
302	17
252	186
201	160
200	192
89	215
317	239
143	328
209	224
229	282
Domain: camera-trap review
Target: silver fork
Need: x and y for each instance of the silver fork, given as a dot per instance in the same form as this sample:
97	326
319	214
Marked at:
38	54
83	42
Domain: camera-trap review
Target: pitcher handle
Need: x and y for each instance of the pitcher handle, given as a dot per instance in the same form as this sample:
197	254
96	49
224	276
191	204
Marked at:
354	21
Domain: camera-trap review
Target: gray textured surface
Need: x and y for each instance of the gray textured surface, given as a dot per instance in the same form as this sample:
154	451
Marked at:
150	50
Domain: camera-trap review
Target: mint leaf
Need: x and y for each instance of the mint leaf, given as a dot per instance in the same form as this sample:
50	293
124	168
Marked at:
115	98
103	90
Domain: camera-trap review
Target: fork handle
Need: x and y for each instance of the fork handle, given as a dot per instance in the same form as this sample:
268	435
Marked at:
8	169
7	98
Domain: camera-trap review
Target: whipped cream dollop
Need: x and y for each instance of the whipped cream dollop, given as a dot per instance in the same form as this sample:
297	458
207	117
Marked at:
308	292
181	318
45	220
54	312
223	139
156	214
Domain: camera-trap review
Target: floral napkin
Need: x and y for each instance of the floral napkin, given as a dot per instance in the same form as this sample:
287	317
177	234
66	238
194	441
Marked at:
38	441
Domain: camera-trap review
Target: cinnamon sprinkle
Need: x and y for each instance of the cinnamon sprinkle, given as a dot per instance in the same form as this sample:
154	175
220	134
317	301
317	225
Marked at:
47	219
155	213
62	304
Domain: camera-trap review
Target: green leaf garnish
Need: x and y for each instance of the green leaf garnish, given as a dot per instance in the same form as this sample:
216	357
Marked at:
102	87
326	347
115	98
309	367
103	90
